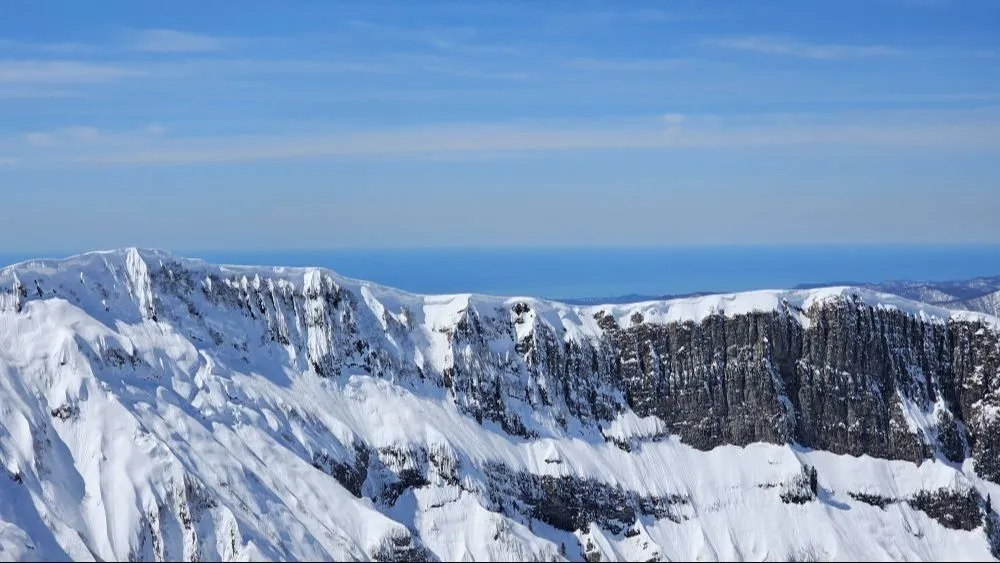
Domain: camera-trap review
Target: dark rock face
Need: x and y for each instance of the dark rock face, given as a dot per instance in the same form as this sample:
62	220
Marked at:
955	508
872	499
190	505
401	546
65	412
572	503
992	529
802	488
712	383
351	475
841	376
976	375
840	385
952	509
844	384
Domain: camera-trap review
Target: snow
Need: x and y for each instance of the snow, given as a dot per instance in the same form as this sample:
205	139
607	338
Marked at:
989	303
242	422
696	309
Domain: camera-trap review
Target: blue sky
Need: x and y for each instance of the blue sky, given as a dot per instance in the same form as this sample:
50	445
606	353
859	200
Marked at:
220	125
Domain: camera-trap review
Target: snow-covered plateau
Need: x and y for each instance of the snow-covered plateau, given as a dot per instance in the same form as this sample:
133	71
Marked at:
159	408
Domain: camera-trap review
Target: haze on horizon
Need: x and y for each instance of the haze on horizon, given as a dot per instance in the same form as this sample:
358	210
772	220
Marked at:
399	123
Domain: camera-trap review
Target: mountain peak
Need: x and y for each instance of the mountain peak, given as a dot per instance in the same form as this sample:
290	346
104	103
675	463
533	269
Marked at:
138	262
156	407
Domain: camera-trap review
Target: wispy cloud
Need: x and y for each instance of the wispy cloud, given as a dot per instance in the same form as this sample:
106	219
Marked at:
174	41
941	130
62	137
33	92
436	36
673	118
391	64
60	72
454	67
627	65
769	45
465	39
148	40
610	17
14	45
981	53
270	67
57	145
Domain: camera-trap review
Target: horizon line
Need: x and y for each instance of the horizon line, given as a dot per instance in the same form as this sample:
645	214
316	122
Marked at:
516	246
21	256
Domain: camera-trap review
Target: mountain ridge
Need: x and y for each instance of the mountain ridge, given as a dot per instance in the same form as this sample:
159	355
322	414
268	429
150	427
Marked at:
803	293
263	413
961	294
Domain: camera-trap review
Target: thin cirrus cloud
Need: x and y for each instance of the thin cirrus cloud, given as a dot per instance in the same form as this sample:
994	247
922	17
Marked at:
147	40
627	65
60	72
32	92
63	136
788	47
174	41
976	130
645	16
13	45
437	36
399	65
455	39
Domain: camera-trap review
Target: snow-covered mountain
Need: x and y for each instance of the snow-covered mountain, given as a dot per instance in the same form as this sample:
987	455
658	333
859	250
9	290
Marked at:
976	294
989	303
154	407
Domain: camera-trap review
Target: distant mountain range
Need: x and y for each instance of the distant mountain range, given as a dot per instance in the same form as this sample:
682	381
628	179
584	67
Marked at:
977	294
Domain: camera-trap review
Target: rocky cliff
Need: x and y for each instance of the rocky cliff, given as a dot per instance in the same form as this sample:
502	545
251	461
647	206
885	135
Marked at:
565	431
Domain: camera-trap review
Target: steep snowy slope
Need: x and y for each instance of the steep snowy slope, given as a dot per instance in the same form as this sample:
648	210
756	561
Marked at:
941	292
989	303
153	407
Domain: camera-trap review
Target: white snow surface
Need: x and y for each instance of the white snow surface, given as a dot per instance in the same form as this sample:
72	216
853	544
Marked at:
989	303
170	445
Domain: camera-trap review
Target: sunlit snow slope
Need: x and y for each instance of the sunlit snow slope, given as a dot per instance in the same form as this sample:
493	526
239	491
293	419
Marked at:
159	408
